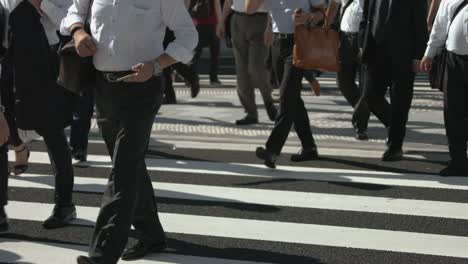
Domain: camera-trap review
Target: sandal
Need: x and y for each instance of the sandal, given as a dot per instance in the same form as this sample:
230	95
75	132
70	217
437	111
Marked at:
19	169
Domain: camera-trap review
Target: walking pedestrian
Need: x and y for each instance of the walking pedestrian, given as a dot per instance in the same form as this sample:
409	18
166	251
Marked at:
207	19
129	56
40	104
250	52
449	31
392	35
348	19
285	15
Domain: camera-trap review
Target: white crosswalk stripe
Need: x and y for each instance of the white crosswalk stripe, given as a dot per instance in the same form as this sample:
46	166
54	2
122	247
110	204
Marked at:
207	212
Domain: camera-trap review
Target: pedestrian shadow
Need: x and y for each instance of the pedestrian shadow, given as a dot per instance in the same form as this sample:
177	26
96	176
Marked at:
10	257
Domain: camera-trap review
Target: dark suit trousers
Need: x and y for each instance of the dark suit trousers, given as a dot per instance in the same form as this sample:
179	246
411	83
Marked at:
346	77
292	108
83	113
379	76
3	175
60	160
126	113
456	106
207	38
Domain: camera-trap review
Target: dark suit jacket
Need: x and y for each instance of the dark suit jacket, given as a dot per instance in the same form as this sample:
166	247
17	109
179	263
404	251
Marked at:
406	33
39	102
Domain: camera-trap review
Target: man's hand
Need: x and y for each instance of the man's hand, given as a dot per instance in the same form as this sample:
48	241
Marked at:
300	17
268	37
4	130
426	64
36	4
84	44
221	30
143	72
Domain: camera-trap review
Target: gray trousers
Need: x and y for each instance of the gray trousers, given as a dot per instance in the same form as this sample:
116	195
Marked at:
250	53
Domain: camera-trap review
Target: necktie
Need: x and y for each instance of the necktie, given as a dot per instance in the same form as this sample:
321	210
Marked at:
381	15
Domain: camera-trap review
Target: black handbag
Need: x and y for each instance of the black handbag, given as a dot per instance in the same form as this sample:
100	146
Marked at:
76	73
437	72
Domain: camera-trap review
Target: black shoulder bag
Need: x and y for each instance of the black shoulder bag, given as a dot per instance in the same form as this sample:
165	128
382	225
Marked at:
437	72
76	73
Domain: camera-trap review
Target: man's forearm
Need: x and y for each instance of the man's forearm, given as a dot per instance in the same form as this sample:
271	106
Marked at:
226	9
433	11
332	11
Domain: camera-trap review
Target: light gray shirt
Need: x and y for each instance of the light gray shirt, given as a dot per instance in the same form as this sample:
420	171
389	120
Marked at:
128	32
454	38
282	12
352	16
53	11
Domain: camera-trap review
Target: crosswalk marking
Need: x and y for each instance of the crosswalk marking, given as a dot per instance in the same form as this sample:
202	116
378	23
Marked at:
43	252
334	236
449	210
283	172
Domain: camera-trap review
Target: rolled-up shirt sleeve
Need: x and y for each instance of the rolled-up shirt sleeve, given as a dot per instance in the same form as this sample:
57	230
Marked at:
55	12
77	13
439	32
176	17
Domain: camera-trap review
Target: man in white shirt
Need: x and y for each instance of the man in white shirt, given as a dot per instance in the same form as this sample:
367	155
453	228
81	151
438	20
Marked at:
45	120
285	14
250	52
127	44
453	34
349	18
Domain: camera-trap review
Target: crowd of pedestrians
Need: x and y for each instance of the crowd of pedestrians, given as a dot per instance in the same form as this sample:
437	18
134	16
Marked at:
137	46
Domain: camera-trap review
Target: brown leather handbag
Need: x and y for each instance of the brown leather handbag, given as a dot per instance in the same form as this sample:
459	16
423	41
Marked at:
316	47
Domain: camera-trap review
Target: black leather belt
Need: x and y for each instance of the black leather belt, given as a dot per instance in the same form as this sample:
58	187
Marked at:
115	76
250	15
283	36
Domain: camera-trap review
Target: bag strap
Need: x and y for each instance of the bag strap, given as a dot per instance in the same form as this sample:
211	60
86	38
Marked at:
343	10
459	9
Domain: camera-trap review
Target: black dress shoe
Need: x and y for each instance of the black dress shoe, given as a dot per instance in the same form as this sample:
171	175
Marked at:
84	260
247	121
142	249
215	82
454	170
392	154
61	216
3	221
306	155
80	155
194	87
268	157
272	112
361	135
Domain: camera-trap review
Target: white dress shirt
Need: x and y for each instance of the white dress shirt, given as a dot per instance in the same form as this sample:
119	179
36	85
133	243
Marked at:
456	38
128	32
239	6
282	12
53	11
353	15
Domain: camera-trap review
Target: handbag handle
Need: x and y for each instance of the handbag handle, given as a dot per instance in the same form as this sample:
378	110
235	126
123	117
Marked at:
326	25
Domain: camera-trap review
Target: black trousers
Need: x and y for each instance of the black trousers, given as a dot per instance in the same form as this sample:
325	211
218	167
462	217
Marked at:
456	106
60	160
3	175
83	113
207	38
346	77
381	74
292	108
8	101
184	70
126	113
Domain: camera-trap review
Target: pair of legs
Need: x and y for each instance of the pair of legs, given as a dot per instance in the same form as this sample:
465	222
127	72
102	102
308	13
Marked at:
292	108
346	77
83	113
456	113
250	53
208	38
126	113
381	73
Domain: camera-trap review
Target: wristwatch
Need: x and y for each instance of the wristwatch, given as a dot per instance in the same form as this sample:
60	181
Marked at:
158	69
